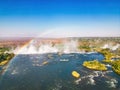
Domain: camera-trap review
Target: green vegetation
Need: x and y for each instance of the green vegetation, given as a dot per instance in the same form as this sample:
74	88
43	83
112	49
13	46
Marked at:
107	53
108	56
85	48
107	61
86	44
95	65
5	57
116	66
2	50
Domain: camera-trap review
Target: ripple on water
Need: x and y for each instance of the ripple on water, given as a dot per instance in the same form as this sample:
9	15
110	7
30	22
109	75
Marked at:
31	73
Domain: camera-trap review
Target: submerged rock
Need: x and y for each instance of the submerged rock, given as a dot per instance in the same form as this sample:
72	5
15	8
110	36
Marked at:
45	62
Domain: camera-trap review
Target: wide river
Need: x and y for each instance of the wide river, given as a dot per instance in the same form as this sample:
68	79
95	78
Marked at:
52	71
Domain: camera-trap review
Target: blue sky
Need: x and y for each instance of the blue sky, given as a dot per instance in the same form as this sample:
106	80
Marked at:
59	18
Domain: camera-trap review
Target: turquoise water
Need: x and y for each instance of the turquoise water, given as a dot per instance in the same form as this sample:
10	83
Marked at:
28	72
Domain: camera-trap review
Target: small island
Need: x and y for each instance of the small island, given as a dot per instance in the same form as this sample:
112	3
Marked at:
94	65
75	74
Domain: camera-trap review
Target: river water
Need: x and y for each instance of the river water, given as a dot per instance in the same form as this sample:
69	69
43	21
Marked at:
52	71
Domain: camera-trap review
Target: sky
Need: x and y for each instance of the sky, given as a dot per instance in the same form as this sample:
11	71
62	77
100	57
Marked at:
59	18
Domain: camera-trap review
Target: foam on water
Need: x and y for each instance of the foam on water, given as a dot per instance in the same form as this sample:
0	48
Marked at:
91	80
31	48
90	77
115	47
14	72
112	83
